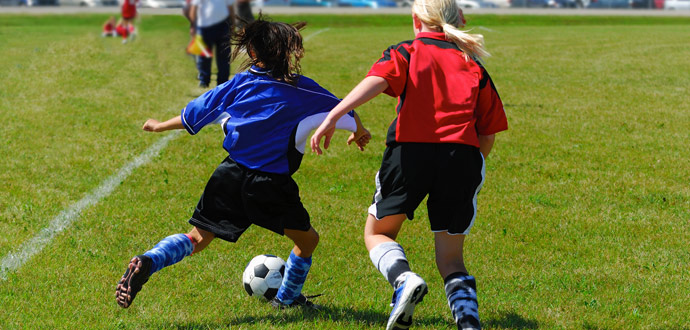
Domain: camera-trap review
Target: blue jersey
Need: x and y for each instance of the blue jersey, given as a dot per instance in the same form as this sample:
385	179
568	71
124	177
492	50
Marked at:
265	121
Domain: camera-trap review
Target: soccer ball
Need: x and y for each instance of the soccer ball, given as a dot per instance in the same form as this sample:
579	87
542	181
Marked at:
263	276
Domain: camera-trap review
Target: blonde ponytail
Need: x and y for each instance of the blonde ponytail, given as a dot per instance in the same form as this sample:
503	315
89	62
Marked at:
445	15
471	44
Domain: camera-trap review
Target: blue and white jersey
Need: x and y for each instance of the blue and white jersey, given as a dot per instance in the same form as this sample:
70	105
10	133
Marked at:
266	122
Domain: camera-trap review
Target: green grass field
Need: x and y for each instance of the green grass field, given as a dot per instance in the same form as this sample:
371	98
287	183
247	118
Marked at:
584	216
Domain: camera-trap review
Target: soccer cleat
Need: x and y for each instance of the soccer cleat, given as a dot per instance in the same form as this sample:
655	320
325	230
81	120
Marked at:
405	298
203	84
301	301
137	273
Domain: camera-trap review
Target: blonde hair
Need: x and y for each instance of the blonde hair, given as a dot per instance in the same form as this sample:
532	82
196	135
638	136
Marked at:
445	15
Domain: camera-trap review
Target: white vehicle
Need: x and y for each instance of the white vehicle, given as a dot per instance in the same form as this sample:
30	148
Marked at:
467	4
677	4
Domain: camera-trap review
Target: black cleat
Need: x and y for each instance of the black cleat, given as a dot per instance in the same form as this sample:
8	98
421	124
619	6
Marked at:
137	273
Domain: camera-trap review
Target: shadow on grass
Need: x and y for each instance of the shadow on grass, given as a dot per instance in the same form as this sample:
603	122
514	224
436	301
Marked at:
510	320
356	318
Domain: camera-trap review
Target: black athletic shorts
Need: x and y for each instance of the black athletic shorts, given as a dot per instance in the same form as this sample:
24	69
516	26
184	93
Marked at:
450	174
236	197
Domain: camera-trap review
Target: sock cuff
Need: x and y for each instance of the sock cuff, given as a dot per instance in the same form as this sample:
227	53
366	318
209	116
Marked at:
191	239
299	261
464	285
389	258
380	251
459	275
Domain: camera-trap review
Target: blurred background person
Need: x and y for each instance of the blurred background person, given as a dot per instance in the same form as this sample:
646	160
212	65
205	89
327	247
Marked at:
213	20
244	12
129	13
185	12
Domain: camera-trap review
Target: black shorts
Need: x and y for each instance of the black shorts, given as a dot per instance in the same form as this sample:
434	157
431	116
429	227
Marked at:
236	197
450	174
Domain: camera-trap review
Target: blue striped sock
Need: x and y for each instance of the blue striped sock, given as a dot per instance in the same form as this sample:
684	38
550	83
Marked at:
461	291
170	251
296	270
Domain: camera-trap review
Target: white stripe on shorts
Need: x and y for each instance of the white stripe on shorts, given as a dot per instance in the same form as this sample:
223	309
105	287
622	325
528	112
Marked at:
474	199
377	197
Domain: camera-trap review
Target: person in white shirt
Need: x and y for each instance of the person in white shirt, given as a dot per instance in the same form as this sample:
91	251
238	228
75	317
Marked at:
213	20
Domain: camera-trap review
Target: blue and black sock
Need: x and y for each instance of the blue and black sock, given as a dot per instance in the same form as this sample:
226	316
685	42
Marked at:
296	270
461	291
170	251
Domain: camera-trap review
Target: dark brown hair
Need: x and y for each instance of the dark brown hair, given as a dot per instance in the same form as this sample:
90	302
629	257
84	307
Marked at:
276	46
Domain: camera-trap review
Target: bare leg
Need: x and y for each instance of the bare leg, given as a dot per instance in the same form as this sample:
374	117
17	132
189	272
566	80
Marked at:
389	258
383	230
305	241
449	257
461	288
201	238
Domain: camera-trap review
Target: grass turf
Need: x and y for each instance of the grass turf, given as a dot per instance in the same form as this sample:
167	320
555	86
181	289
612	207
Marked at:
583	217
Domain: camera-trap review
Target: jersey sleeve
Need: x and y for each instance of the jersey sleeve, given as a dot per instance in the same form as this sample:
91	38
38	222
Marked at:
491	116
309	124
209	108
393	66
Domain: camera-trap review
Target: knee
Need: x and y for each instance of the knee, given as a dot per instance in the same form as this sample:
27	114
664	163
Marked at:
314	239
311	243
200	238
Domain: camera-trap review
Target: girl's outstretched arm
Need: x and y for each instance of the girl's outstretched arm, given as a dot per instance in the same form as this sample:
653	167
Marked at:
366	90
153	125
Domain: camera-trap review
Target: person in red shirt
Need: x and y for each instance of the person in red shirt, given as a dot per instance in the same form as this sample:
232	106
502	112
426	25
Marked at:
448	113
129	13
109	27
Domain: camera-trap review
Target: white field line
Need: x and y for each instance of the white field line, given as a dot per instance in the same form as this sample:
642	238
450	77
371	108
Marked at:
316	33
64	220
487	29
14	260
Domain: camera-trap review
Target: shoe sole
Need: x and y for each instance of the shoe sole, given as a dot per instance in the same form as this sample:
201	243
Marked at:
413	294
131	282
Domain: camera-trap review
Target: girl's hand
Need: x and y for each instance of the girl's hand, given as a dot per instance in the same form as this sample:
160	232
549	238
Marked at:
150	125
153	125
325	130
361	138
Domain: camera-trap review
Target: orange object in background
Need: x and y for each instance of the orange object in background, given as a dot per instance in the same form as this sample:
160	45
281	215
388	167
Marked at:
198	47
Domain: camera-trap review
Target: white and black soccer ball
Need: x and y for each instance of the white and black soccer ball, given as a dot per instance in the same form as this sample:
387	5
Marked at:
263	276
